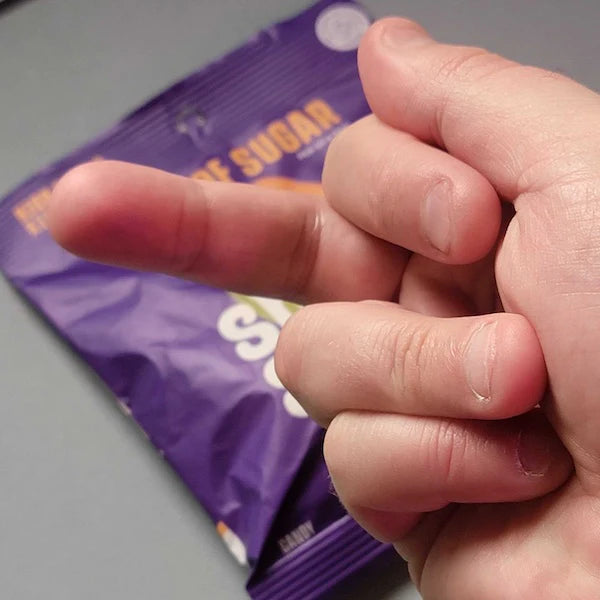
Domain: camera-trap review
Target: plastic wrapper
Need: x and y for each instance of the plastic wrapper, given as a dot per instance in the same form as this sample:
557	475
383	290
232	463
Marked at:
194	365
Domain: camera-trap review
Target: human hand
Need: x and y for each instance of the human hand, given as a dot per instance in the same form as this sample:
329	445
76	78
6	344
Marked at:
396	384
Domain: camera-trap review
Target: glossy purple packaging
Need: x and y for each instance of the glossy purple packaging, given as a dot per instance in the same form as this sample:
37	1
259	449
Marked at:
194	365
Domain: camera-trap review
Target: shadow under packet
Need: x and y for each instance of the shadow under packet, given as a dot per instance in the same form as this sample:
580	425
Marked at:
193	365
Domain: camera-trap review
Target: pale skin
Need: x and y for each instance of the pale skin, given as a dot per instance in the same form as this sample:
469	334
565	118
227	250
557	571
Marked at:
453	277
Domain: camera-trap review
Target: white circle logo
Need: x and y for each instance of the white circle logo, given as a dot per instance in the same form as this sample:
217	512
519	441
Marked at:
341	26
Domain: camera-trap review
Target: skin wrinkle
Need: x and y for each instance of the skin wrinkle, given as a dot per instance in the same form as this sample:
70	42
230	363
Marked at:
382	192
443	123
455	350
189	262
369	347
447	450
398	352
176	264
532	219
456	65
487	144
445	106
535	177
407	378
348	372
585	213
460	65
305	253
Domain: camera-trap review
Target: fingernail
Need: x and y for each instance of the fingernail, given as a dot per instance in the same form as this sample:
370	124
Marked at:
479	359
533	451
436	216
398	31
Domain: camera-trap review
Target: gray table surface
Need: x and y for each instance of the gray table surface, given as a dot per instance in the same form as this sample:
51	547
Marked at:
87	509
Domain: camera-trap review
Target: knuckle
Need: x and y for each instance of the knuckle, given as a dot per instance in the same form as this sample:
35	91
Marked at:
382	191
446	445
304	256
400	354
468	63
187	251
343	154
461	68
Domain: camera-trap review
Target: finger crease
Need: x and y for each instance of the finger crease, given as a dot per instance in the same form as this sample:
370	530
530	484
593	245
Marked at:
183	262
304	256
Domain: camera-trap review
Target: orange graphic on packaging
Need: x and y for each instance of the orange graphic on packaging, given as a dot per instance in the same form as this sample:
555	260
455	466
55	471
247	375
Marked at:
287	183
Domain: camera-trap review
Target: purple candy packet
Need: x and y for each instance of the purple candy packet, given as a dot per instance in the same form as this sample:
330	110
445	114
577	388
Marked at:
194	365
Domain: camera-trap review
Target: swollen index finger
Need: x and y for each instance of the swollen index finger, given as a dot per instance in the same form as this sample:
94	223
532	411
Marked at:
235	236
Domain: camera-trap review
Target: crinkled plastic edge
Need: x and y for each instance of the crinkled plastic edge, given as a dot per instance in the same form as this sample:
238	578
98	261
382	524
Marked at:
319	564
219	90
